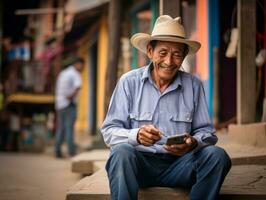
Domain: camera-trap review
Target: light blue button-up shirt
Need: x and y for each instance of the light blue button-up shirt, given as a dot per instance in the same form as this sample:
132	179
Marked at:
137	101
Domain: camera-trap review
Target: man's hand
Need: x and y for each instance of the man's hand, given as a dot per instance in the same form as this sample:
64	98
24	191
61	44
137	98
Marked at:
148	135
181	149
73	95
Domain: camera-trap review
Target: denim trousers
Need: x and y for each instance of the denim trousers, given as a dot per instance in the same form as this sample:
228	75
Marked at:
203	172
66	118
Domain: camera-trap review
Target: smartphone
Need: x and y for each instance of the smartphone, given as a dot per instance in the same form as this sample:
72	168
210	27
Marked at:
176	139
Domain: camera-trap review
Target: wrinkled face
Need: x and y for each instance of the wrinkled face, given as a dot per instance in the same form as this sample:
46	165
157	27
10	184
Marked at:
167	58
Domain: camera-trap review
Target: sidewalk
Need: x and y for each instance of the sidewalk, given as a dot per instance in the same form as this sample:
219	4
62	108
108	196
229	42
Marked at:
27	176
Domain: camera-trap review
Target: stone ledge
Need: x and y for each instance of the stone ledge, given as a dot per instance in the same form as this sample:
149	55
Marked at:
83	163
246	180
251	160
96	187
163	193
91	187
248	134
242	182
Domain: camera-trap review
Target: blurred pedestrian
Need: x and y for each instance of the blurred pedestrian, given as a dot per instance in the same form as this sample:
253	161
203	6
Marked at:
67	88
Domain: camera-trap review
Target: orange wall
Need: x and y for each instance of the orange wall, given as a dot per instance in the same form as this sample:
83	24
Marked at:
202	36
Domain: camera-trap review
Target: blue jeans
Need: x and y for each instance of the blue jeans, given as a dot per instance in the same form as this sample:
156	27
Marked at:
202	171
65	127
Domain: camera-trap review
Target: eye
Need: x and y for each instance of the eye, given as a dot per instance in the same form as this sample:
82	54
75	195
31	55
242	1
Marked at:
177	56
162	53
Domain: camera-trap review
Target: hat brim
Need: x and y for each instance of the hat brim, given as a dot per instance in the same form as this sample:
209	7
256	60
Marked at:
141	40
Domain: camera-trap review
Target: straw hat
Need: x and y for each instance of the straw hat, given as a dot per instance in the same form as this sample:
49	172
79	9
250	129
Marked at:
165	29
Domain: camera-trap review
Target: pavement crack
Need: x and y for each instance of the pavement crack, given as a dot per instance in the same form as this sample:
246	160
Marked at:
256	180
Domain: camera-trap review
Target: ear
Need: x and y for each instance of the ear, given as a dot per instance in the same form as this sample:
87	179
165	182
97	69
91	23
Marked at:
149	51
186	50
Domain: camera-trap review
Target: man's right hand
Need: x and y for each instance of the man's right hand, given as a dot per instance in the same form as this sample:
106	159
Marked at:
148	135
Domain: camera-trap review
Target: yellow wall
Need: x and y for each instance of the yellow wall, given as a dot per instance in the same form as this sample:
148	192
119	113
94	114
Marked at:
83	99
102	63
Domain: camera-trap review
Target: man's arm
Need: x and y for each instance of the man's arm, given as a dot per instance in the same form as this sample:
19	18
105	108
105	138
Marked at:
202	128
73	95
116	126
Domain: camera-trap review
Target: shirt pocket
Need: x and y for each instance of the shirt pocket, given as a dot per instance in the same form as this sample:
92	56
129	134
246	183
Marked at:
181	122
139	119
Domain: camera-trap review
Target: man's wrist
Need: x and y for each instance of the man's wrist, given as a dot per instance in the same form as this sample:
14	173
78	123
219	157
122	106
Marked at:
138	138
132	136
194	144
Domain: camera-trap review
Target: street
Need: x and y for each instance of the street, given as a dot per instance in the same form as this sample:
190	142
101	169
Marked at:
27	176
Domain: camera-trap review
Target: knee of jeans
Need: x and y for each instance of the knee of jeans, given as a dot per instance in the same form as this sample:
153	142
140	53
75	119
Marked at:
123	151
218	154
121	156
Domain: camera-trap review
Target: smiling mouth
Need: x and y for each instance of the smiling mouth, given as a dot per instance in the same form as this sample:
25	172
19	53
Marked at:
168	68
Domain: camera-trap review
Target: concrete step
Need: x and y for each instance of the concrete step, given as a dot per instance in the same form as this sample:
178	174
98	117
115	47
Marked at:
253	134
96	187
250	160
246	180
83	163
243	182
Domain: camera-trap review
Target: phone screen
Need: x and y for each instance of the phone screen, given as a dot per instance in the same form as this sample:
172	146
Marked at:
176	139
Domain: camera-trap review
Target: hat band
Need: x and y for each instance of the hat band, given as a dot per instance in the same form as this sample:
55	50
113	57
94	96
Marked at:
174	36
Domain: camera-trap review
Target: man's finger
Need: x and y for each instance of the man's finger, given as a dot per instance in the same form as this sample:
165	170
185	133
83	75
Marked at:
146	143
155	131
146	140
174	151
179	146
151	129
149	135
189	141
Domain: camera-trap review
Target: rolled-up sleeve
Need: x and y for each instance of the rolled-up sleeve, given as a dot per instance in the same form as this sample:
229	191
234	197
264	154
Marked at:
202	128
116	127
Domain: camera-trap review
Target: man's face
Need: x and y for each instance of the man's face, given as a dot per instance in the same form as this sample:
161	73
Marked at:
79	66
167	58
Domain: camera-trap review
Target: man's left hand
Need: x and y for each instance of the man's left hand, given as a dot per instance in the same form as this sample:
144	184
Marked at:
181	149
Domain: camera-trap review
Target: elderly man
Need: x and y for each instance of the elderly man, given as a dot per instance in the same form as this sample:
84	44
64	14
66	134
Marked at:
153	103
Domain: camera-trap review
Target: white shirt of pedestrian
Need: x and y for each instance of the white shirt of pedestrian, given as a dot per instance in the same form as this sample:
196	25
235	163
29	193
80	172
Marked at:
67	82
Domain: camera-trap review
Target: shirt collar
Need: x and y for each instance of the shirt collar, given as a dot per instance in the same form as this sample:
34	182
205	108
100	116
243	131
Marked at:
177	83
146	73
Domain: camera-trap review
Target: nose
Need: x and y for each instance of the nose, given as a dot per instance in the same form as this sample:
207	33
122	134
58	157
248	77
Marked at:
168	59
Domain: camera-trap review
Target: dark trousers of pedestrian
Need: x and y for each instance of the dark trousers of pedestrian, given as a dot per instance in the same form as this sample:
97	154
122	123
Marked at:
66	118
203	172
